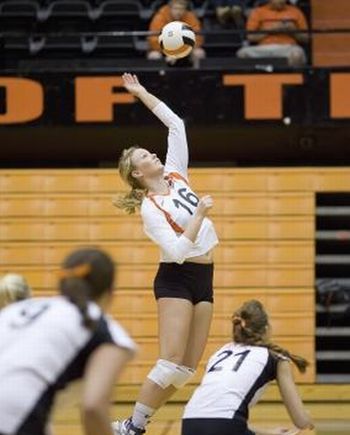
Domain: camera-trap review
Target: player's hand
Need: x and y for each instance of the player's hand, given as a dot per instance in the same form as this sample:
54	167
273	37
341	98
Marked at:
132	84
204	205
285	431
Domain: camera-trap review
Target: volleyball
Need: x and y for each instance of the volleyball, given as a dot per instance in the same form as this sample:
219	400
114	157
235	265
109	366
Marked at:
177	39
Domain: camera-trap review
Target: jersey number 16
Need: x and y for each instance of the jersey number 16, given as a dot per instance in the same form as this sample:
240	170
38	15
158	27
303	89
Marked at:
189	197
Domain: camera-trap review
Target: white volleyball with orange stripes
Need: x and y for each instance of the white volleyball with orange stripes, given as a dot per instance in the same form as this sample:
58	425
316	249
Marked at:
177	39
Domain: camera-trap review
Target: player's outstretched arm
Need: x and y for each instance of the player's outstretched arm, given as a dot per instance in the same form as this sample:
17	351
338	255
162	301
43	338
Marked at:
291	397
132	85
102	371
177	153
276	431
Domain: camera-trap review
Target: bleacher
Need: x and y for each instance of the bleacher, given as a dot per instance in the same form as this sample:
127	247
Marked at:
85	28
264	217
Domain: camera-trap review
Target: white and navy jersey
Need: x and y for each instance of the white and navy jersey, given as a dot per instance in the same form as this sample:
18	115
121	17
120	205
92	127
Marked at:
165	217
234	381
43	347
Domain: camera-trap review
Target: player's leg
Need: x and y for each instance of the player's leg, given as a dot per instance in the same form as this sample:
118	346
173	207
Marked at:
202	297
168	374
174	323
198	336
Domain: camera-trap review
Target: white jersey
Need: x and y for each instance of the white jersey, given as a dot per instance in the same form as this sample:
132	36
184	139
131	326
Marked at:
165	217
43	347
235	378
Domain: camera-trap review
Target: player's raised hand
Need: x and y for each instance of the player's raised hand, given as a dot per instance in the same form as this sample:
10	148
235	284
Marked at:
132	84
204	205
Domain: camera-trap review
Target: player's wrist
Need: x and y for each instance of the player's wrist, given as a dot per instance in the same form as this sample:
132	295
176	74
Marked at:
199	214
141	92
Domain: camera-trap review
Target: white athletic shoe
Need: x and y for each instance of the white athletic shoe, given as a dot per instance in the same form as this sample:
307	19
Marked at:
125	427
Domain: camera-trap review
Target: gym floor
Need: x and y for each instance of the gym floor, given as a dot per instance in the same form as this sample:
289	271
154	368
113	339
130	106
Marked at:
330	418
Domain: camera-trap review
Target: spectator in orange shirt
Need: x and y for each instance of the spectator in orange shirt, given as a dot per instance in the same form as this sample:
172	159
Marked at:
175	10
278	18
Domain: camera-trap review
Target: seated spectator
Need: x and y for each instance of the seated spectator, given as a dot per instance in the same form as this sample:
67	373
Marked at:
175	10
228	11
13	288
278	18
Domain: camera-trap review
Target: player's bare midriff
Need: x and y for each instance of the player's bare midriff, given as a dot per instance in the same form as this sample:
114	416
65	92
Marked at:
206	258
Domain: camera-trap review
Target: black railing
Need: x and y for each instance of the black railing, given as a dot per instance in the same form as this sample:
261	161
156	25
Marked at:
30	46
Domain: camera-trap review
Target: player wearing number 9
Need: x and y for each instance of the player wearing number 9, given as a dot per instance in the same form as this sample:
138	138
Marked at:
176	220
236	377
49	343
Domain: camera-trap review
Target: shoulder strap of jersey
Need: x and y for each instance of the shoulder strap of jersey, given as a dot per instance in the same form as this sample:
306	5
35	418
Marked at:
177	176
168	217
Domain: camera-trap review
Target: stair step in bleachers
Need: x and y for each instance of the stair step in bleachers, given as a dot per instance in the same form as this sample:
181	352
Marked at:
330	49
56	205
149	347
265	219
259	180
295	324
228	252
278	300
225	276
121	227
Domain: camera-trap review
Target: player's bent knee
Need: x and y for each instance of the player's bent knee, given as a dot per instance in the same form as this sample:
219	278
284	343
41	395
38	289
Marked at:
166	373
187	374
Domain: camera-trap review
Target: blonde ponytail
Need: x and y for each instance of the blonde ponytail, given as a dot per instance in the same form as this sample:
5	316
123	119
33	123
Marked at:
131	201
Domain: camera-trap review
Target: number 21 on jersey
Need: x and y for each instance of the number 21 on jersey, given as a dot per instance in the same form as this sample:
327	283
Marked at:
229	355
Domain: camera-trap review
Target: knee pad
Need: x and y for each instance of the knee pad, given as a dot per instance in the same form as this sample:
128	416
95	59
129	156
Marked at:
166	373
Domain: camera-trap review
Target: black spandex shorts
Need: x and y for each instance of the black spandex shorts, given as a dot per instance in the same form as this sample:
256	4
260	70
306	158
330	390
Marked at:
214	426
190	281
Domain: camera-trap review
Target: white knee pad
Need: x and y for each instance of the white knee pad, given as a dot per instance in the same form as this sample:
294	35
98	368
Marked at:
166	373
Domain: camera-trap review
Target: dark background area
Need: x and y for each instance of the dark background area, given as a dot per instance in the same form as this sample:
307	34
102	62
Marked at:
214	114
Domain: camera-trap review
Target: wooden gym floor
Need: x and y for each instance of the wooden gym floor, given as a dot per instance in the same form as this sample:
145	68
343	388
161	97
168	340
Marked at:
328	404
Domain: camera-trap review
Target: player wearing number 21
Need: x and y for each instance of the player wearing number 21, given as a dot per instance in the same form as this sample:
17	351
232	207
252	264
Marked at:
176	220
236	377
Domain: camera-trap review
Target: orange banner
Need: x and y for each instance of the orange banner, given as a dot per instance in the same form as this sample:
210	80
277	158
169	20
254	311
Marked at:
96	98
24	100
263	94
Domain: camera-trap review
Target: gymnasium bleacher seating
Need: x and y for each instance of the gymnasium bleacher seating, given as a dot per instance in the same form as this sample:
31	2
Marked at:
264	217
45	28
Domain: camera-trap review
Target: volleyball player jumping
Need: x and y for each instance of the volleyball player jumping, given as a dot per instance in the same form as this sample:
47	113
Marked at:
176	220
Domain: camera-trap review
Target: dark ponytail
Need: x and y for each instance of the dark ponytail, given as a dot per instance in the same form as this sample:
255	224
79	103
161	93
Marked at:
77	290
250	326
301	363
86	275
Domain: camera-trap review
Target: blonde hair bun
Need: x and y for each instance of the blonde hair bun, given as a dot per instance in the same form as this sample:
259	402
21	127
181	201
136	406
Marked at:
13	287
